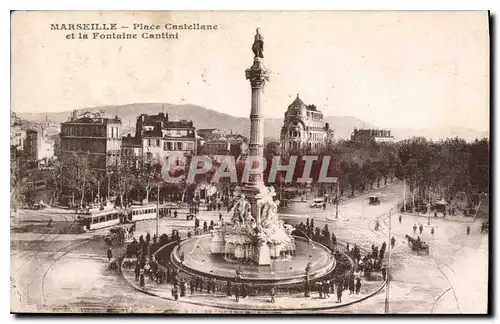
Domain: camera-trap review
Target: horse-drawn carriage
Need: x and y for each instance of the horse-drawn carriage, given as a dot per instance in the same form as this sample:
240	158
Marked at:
116	236
485	226
374	200
417	244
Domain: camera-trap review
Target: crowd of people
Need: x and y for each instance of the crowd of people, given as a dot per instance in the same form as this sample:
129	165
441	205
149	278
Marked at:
330	287
148	269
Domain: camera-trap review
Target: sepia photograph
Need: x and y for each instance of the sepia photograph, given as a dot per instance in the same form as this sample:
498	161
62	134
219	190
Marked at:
250	162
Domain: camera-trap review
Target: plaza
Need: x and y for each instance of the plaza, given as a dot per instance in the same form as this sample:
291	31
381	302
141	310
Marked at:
45	266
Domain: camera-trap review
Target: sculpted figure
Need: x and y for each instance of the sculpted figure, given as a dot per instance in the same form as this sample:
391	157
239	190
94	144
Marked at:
258	45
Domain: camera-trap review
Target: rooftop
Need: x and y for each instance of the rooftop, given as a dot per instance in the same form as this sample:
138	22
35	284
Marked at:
92	118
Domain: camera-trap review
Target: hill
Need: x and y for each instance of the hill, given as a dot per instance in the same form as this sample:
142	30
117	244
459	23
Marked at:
207	118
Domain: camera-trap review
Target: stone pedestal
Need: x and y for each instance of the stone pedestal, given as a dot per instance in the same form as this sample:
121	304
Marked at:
262	257
217	245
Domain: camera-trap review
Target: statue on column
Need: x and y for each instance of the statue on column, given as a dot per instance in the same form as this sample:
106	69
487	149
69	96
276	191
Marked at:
258	45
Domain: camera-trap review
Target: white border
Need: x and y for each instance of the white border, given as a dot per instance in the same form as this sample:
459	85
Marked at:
186	5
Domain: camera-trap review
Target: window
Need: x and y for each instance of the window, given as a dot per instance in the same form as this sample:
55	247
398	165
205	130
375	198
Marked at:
158	142
179	146
190	146
149	142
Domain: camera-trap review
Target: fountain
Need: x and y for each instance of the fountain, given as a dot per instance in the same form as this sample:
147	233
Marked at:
255	246
246	239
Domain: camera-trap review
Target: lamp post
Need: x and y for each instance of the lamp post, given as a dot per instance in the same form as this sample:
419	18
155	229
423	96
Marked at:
337	198
429	216
404	195
388	267
158	210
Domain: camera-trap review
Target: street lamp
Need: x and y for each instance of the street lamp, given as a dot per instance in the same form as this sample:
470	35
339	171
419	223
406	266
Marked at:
429	216
388	267
158	210
337	198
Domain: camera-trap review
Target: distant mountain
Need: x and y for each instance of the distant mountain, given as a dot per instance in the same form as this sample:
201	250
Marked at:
207	118
436	133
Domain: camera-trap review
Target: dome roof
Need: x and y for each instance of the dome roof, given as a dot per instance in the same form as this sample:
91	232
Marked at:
297	104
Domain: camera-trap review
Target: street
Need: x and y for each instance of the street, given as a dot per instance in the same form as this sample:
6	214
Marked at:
69	272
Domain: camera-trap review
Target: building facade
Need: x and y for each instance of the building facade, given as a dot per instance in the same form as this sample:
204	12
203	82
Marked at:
156	138
17	137
378	135
304	127
217	142
38	147
97	135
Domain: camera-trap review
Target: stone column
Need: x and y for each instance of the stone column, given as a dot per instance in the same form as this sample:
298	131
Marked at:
258	75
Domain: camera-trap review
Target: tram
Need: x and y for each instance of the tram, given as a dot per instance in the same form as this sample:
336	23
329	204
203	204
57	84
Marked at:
37	185
101	219
140	213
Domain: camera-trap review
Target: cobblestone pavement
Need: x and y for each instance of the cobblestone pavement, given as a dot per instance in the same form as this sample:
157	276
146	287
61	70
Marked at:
69	272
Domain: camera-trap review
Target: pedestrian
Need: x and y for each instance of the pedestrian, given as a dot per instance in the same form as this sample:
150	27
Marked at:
384	272
137	271
468	229
421	228
220	217
319	287
192	284
400	217
432	231
141	279
339	294
213	285
272	295
228	288
351	286
393	242
326	288
110	253
358	285
183	288
237	292
414	228
244	290
175	292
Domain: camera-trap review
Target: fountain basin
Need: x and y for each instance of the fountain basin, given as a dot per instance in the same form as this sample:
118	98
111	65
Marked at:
194	257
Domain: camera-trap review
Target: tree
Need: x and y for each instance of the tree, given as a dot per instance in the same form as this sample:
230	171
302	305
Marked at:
78	174
54	182
125	178
150	176
477	178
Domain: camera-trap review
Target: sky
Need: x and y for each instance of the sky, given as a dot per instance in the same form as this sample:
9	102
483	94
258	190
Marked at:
393	69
